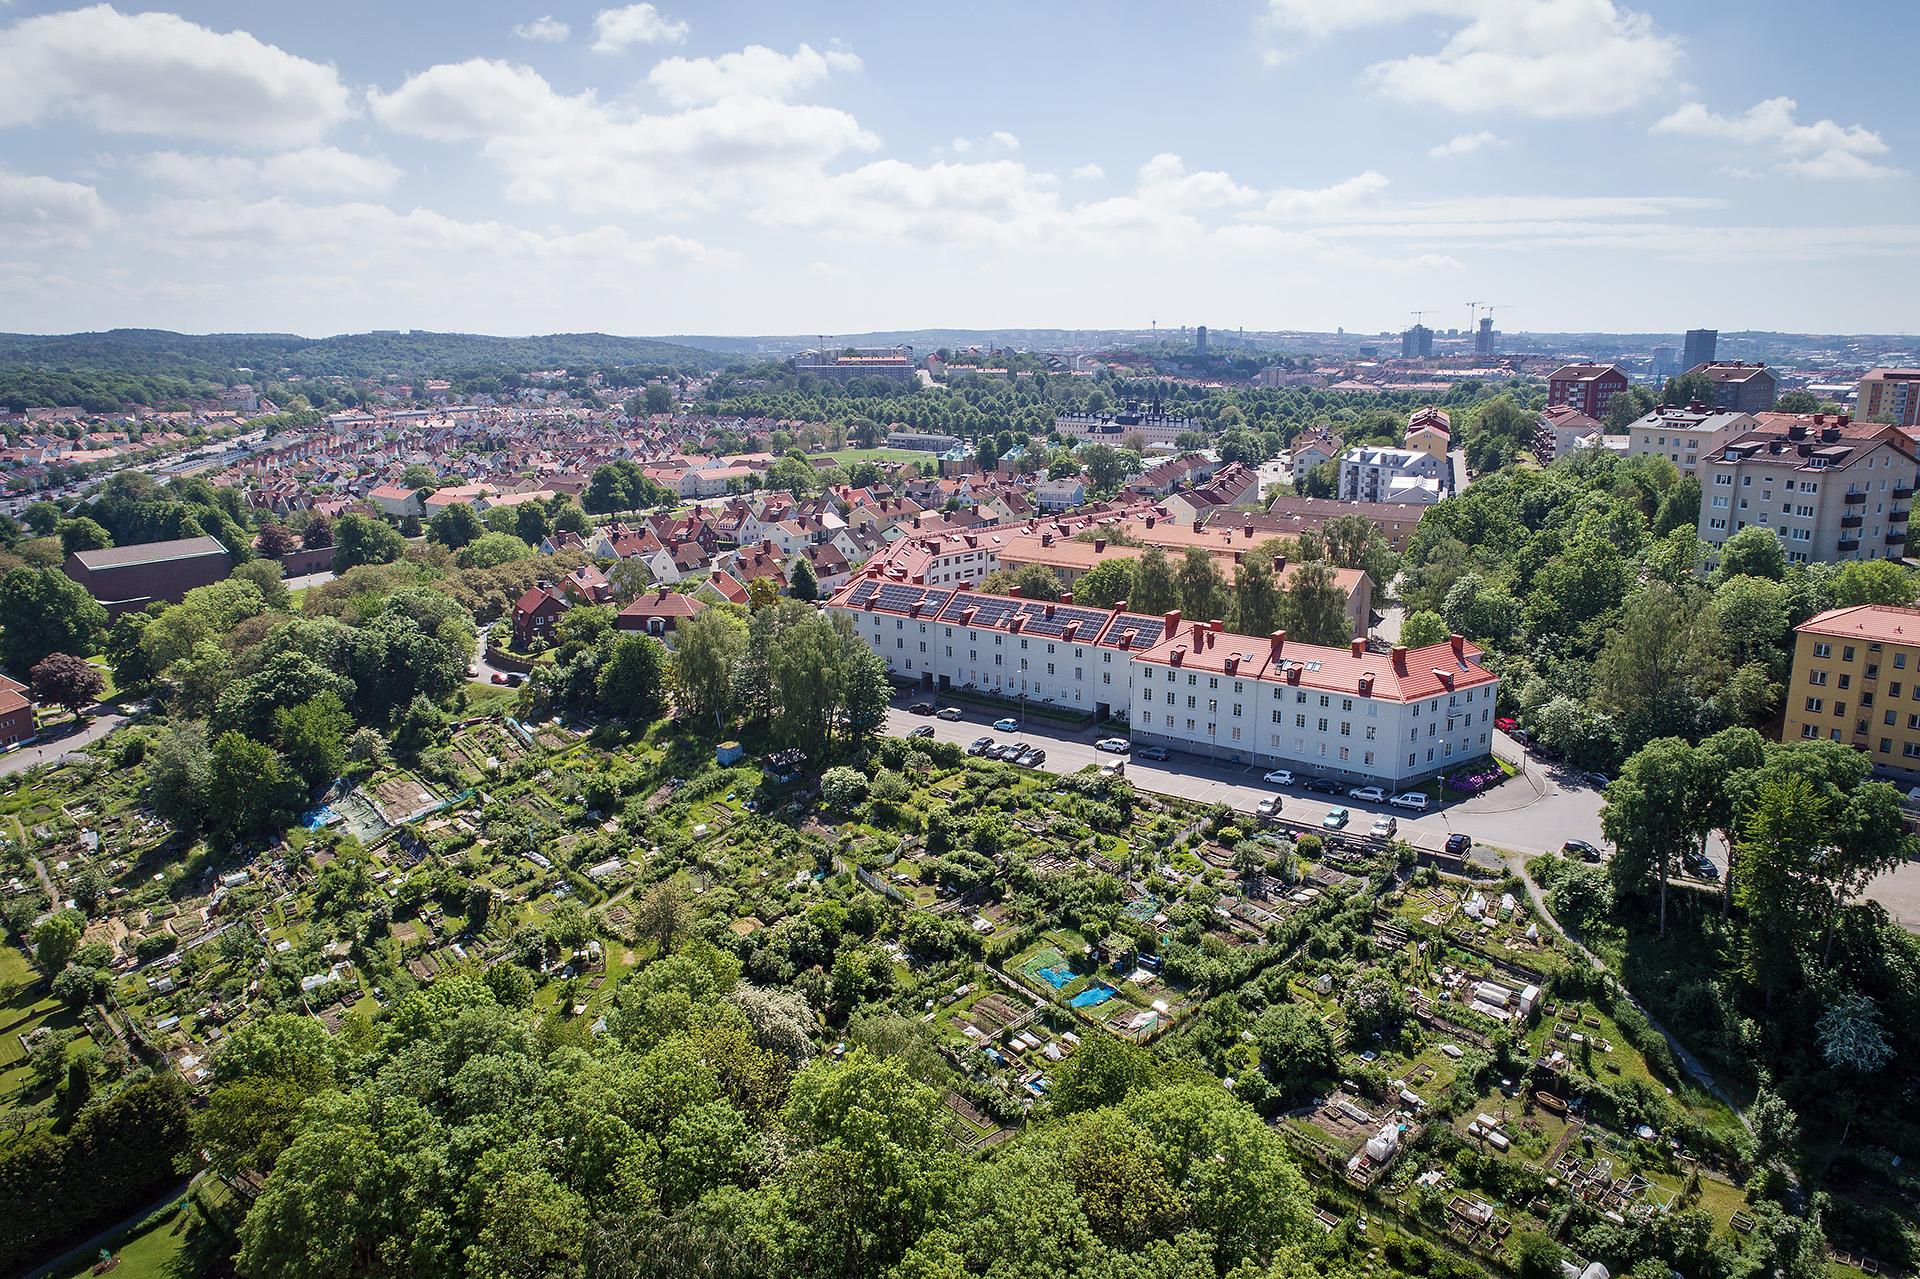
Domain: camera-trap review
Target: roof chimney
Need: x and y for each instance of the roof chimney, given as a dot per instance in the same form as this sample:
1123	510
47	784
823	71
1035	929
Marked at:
1171	622
1279	564
1359	645
1066	597
1179	656
1099	545
1399	658
1216	626
1278	640
1119	606
1459	643
1366	684
1293	673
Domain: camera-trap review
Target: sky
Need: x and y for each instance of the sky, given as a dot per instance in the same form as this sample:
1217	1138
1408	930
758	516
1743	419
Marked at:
791	167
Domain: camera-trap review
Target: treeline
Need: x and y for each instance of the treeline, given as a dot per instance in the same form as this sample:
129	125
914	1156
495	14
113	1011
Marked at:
119	1154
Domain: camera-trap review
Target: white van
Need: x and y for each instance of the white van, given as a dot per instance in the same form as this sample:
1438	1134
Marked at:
1416	800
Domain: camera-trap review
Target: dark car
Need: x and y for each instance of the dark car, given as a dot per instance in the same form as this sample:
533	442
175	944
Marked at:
921	708
1152	752
1582	849
923	730
1459	844
1324	786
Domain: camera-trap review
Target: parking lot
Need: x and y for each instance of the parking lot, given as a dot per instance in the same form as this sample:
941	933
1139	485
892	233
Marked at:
1530	814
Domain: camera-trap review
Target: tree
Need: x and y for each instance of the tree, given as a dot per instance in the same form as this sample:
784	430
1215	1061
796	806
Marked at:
1422	628
82	534
313	737
662	915
1155	588
55	940
842	789
801	582
44	611
1105	584
868	690
69	681
318	534
1257	606
1754	551
1783	826
1653	815
1103	1072
361	539
1203	592
1108	467
632	683
1688	388
793	474
1316	609
455	526
986	453
1295	1047
1650	664
256	791
1872	582
659	398
1029	581
1797	402
709	648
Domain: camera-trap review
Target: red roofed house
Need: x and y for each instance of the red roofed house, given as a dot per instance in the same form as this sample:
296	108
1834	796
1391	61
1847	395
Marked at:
16	712
535	612
658	612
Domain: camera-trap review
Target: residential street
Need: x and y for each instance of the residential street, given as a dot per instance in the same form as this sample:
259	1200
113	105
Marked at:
47	752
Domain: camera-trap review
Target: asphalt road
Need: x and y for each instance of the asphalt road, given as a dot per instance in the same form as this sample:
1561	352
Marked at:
57	750
1531	814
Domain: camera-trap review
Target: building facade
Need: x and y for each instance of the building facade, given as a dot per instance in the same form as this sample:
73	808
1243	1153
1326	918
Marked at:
1701	347
1741	388
128	578
1374	474
1832	489
1684	436
1394	719
1587	387
1892	394
1856	680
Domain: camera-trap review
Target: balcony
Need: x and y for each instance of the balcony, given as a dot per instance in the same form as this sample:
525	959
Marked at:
1849	544
1851	521
1901	492
1897	537
1856	499
1898	515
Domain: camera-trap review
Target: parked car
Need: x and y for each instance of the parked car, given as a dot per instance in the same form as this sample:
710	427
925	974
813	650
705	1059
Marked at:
949	712
1324	786
921	730
1280	777
1113	745
1385	826
1582	849
921	708
499	677
1153	752
1506	723
1007	725
1336	819
1268	807
1459	844
1700	866
979	745
473	672
1368	794
1032	757
1416	800
1599	781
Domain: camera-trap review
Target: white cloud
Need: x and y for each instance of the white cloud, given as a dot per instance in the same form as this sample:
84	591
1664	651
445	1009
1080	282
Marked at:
1823	149
600	157
545	28
998	140
38	211
996	201
223	229
1319	202
157	73
1001	138
753	72
1089	173
1466	144
310	170
615	29
1543	57
1165	182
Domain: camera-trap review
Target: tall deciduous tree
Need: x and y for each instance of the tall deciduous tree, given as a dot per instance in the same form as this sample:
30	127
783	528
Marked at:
1203	591
44	611
1653	816
1155	588
632	684
66	680
707	654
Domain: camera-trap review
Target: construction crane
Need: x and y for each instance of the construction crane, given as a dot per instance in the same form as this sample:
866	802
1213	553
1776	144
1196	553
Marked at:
1473	315
1417	316
1491	307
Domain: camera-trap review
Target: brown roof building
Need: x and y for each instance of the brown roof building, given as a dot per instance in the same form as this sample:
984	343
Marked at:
128	578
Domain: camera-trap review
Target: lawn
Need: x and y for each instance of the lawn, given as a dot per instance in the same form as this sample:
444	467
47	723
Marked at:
847	457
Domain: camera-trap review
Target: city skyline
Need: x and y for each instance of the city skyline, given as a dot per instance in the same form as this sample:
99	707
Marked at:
1297	164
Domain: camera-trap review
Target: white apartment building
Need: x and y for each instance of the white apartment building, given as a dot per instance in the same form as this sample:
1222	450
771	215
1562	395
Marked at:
1685	435
1373	474
1392	719
1831	489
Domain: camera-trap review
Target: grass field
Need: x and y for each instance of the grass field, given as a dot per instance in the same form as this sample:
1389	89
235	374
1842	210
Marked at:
847	457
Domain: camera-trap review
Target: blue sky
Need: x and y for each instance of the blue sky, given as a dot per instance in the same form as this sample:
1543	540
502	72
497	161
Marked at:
790	167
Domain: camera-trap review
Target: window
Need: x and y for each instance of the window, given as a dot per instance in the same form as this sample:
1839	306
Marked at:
1822	649
1815	704
1816	677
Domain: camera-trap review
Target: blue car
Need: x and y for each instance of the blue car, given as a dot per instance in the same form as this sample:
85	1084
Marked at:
1007	725
1335	818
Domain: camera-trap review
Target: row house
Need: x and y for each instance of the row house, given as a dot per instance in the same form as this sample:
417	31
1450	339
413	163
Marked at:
1394	719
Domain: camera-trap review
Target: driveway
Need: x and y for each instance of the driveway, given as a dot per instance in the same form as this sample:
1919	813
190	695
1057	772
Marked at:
1531	815
105	720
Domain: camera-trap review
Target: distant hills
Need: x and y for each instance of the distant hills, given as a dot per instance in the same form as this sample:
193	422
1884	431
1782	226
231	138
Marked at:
221	357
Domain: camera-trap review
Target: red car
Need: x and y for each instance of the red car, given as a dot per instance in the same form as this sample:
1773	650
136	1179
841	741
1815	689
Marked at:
1506	723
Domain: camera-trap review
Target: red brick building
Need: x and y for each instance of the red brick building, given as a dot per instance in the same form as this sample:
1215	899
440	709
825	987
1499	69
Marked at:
535	613
1586	387
16	712
128	578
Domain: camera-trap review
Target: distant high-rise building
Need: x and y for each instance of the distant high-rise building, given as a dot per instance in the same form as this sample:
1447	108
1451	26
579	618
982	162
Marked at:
1200	341
1890	393
1663	363
1483	336
1416	343
1702	346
